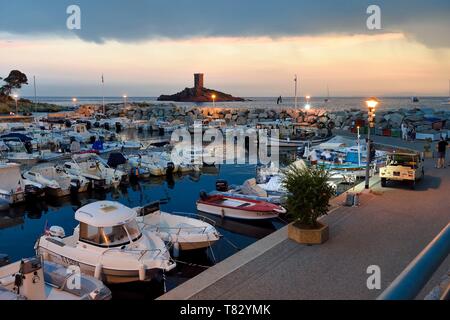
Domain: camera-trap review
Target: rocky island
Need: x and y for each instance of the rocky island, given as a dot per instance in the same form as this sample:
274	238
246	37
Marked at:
199	93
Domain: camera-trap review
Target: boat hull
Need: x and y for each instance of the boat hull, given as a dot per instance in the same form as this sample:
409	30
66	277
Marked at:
108	275
235	213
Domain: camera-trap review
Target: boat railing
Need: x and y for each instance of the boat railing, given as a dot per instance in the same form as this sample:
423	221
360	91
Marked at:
141	252
178	230
196	217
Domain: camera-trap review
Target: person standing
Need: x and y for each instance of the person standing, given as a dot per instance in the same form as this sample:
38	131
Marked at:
442	150
404	132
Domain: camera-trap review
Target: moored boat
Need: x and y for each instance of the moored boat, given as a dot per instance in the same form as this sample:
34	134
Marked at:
48	281
238	207
108	245
188	232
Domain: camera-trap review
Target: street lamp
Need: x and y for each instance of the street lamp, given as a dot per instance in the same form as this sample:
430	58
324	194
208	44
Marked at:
16	98
214	100
125	101
371	103
308	98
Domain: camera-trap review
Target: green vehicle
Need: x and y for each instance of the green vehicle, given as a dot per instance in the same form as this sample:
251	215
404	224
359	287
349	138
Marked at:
408	167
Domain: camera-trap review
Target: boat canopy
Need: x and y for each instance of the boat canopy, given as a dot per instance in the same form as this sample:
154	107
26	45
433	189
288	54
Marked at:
103	214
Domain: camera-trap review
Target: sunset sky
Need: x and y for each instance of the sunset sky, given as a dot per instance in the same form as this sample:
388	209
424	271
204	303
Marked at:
247	48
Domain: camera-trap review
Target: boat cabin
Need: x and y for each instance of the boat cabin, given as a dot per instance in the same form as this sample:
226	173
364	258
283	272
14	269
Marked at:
107	224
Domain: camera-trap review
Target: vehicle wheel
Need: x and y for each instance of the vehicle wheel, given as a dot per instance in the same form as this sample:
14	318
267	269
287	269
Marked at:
383	182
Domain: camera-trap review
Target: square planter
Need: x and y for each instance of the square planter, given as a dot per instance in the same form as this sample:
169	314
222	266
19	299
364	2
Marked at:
308	236
428	154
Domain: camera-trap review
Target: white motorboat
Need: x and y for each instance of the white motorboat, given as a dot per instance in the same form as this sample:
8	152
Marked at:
31	279
188	233
56	181
108	245
12	187
248	190
157	163
92	167
238	207
17	152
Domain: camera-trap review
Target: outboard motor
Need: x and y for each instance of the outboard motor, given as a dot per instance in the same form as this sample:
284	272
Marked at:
96	124
88	125
203	195
222	185
28	147
92	139
106	125
118	127
161	131
170	168
75	185
68	124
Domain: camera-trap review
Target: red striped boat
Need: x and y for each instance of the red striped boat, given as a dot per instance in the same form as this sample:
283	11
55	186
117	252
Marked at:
238	208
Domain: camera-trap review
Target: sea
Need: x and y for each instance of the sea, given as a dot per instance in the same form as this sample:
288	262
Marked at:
333	103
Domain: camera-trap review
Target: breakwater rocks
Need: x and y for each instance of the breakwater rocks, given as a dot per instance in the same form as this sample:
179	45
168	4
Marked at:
421	119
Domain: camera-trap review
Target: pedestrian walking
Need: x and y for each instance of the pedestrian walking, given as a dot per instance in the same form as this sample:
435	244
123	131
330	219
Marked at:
442	150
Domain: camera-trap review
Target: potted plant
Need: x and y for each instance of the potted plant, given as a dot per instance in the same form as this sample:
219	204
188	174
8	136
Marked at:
309	194
428	154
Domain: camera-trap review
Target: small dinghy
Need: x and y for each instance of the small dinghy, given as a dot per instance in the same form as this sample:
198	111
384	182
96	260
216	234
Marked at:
30	279
238	207
187	233
108	245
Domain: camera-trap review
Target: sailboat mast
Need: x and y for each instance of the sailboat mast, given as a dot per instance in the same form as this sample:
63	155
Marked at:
35	94
295	80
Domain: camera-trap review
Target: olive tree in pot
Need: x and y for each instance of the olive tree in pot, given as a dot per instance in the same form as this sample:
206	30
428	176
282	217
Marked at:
309	194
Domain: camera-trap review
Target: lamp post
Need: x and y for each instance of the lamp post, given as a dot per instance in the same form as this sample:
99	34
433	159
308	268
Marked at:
371	105
16	97
214	100
124	101
359	146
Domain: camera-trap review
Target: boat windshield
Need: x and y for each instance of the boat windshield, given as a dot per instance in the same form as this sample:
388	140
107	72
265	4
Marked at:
110	236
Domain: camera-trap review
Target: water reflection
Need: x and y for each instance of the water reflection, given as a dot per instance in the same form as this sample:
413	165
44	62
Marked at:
21	226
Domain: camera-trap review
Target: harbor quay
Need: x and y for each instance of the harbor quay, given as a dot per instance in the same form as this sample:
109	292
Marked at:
386	231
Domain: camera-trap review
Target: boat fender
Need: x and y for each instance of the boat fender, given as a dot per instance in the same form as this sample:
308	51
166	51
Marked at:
223	213
45	256
331	125
98	271
142	272
176	249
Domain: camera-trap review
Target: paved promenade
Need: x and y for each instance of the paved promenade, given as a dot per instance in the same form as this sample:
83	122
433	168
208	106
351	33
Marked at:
389	229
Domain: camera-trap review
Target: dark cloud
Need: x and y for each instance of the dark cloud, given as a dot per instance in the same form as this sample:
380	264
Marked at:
137	20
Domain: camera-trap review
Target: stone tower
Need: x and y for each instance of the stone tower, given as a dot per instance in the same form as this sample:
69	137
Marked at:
198	83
